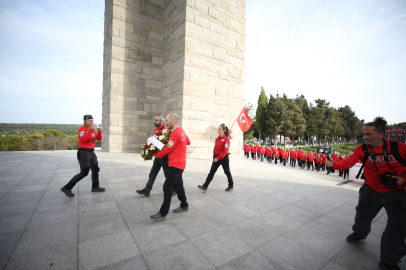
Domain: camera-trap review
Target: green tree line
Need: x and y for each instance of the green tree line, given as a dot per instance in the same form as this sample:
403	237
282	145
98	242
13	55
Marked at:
302	120
26	130
48	140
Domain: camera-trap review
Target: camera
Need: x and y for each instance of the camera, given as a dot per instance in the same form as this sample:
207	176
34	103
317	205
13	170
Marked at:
387	180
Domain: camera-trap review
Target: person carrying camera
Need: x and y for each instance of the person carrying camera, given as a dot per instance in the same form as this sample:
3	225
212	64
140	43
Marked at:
384	186
87	134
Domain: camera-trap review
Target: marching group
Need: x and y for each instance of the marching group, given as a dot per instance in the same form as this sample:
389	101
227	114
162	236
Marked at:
317	161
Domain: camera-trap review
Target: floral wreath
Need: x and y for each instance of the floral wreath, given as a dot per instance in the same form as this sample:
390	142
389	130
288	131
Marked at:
149	150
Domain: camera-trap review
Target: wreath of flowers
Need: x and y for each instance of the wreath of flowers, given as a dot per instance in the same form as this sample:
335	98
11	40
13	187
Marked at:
149	150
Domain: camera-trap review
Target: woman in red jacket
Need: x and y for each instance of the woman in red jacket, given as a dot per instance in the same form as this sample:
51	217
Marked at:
87	134
220	157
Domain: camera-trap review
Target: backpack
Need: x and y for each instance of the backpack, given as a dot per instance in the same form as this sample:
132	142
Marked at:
394	149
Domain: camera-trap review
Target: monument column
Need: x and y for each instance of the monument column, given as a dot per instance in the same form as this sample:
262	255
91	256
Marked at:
173	56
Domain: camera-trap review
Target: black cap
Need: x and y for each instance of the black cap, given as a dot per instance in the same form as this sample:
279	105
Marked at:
87	117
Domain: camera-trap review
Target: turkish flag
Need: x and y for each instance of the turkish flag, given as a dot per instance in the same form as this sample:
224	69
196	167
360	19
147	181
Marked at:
244	121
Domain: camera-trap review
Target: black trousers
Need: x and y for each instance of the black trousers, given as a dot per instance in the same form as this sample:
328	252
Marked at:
156	167
346	172
293	162
323	167
87	161
318	166
310	163
225	163
247	154
299	162
262	157
370	202
303	164
276	160
174	181
284	161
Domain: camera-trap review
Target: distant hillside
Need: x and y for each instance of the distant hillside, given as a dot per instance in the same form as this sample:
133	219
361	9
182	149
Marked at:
25	130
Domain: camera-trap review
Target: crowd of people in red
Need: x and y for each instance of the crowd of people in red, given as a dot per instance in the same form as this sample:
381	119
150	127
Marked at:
317	161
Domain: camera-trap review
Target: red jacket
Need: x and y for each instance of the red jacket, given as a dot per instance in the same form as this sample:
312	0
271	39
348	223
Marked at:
371	176
156	130
284	154
310	157
262	150
335	158
86	137
293	154
302	156
323	158
221	147
253	149
318	159
176	149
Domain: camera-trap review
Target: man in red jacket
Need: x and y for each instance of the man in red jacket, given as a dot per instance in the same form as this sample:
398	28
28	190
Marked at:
158	162
176	151
284	157
254	152
323	161
87	134
384	187
310	160
261	152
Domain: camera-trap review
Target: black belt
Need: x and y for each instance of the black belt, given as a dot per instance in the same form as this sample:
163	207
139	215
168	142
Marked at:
86	149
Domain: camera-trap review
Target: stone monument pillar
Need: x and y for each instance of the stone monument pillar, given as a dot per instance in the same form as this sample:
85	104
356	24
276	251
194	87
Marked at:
163	56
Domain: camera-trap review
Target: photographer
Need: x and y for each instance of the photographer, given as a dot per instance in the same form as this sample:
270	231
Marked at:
384	174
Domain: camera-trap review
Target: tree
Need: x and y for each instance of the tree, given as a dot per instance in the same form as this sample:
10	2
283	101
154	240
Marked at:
260	116
249	108
276	113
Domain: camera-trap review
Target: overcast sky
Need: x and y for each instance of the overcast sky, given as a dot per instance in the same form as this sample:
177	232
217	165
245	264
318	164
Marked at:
347	52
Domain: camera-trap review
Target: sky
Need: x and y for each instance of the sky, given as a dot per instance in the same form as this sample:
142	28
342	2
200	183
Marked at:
346	52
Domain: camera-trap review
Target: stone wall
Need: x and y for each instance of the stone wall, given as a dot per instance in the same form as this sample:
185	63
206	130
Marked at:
183	56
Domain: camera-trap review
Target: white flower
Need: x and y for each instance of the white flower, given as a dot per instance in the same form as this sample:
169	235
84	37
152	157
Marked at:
152	147
161	137
148	143
143	152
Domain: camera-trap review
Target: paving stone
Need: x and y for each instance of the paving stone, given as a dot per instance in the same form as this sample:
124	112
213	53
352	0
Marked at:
314	206
378	228
341	216
205	203
180	256
100	226
7	244
297	213
13	224
156	236
253	261
193	223
95	197
136	262
320	242
292	255
285	197
353	257
25	197
253	233
268	202
63	257
225	216
57	203
331	227
220	246
278	222
3	263
333	266
249	208
18	208
95	210
106	250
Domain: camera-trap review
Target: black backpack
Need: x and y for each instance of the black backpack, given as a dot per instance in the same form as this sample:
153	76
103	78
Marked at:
394	149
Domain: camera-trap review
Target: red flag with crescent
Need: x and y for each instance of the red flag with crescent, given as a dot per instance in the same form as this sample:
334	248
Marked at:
244	121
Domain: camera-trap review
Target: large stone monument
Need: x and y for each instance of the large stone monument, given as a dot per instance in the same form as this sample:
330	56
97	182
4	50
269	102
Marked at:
182	56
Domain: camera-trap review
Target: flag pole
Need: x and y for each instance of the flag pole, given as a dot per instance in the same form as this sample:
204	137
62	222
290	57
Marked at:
234	123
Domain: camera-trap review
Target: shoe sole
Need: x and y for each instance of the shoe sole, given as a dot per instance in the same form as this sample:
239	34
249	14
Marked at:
180	211
146	195
158	219
355	241
98	190
204	190
229	189
63	190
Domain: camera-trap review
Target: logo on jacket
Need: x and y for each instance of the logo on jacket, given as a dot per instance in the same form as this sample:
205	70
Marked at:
81	133
170	143
226	145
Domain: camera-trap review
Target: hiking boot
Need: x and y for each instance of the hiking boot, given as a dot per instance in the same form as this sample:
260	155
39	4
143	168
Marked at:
229	188
158	217
180	210
202	187
143	192
67	192
354	237
98	189
387	266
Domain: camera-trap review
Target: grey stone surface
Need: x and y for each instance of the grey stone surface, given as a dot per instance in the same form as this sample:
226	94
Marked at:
220	246
63	257
105	250
136	262
253	261
243	229
253	233
7	244
157	235
180	256
292	255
